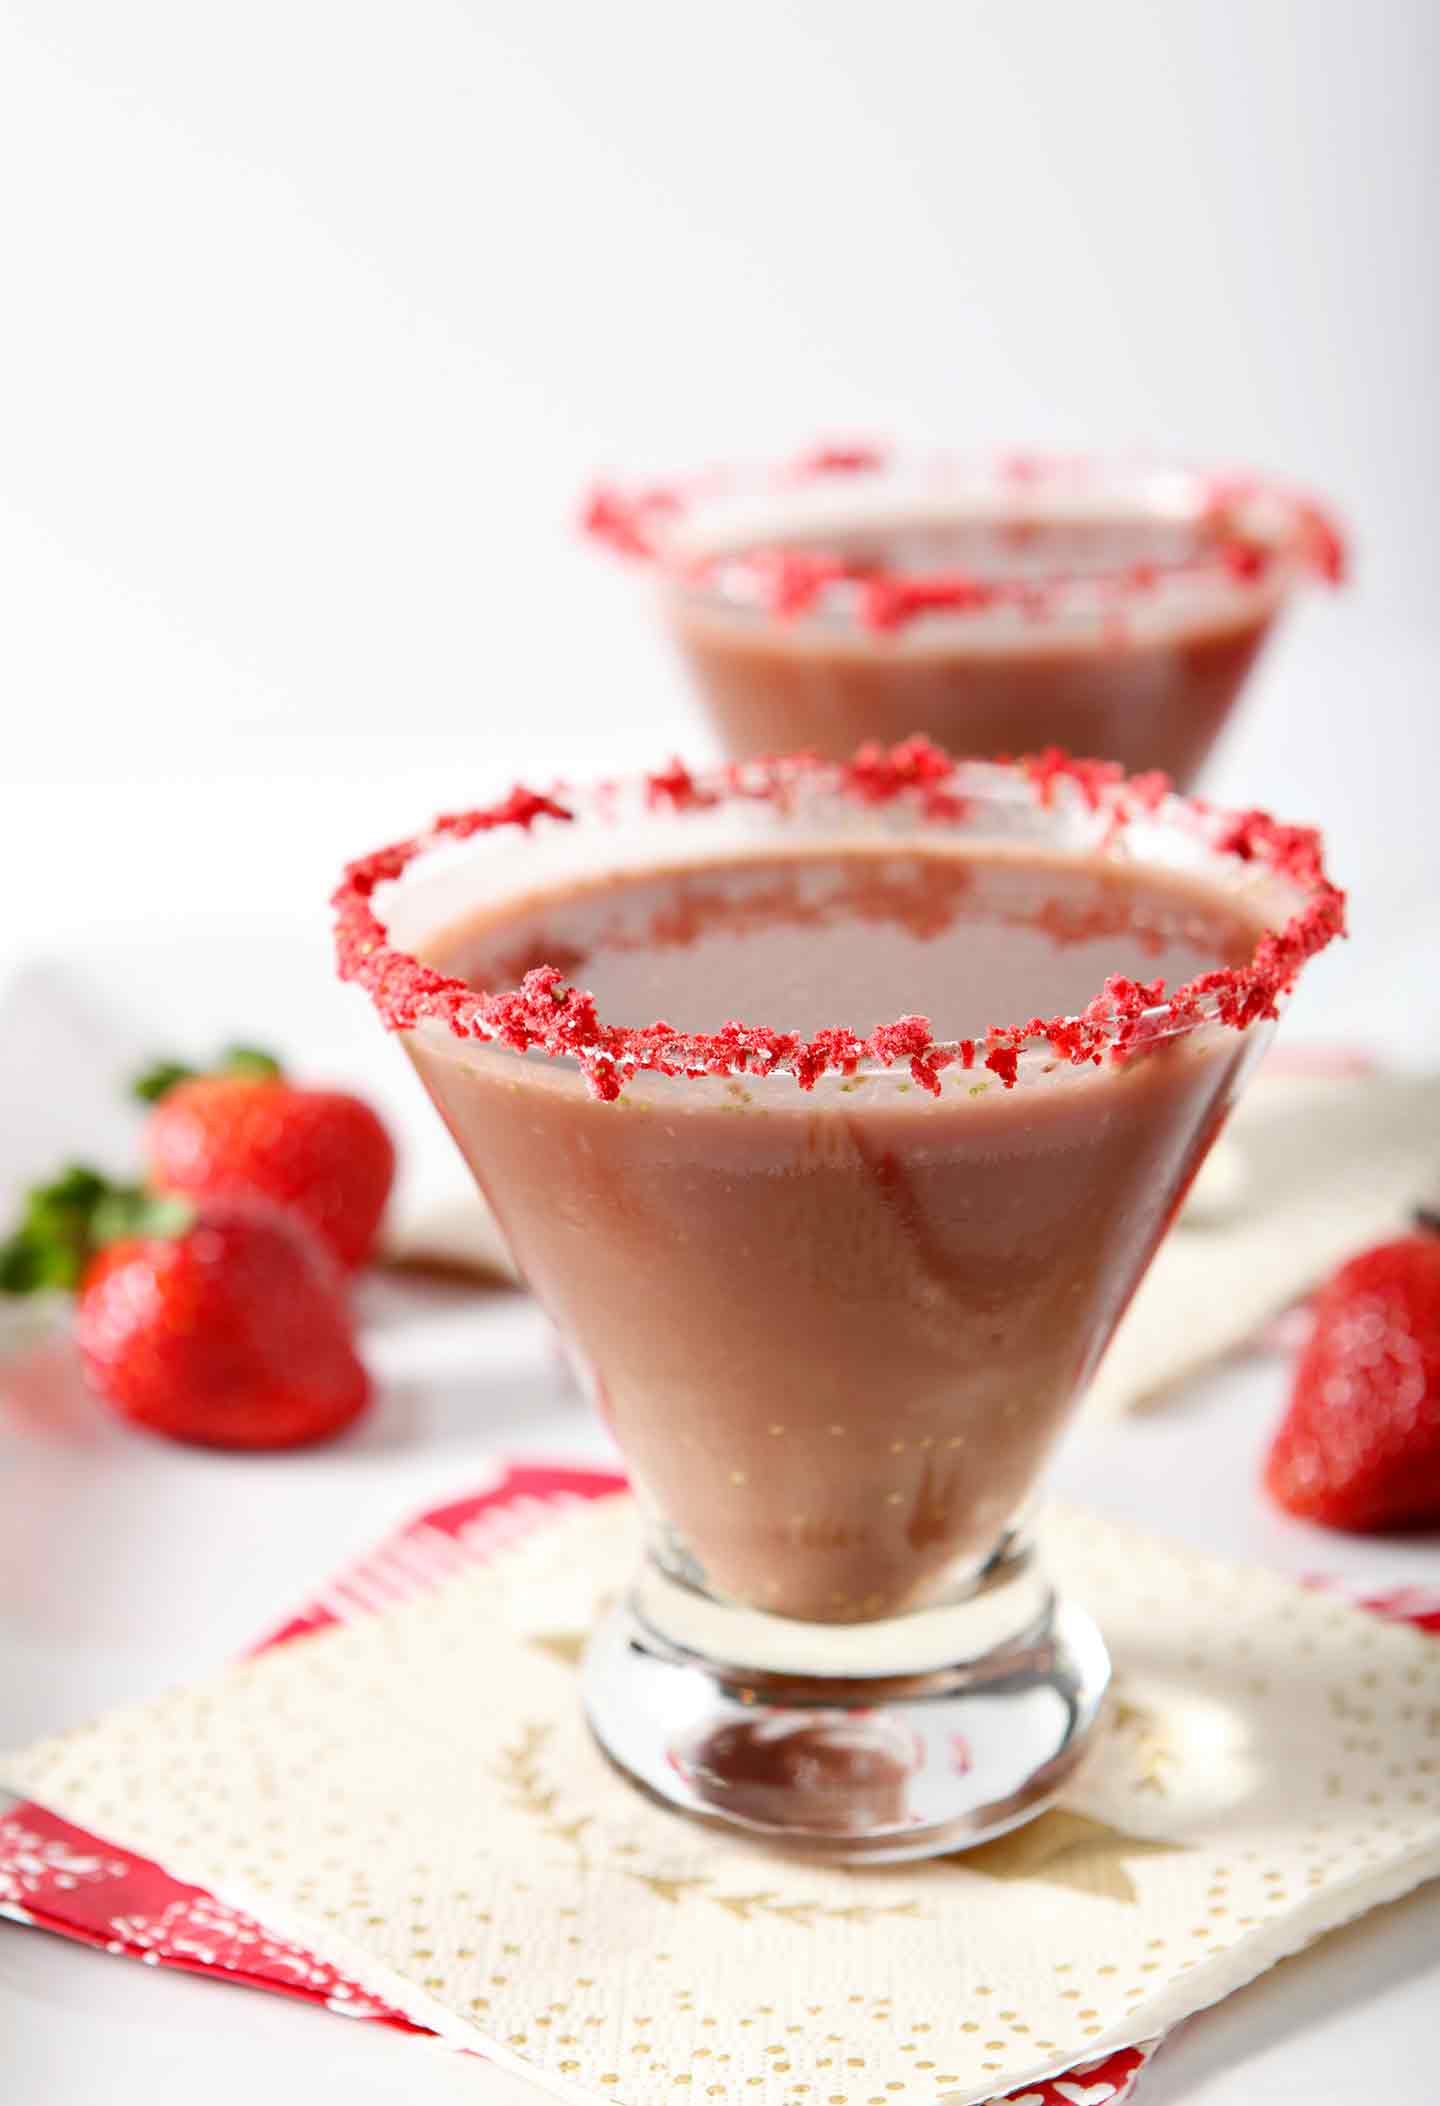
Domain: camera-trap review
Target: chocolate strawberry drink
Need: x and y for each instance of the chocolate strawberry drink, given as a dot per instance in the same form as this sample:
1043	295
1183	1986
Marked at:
839	1270
997	607
882	1304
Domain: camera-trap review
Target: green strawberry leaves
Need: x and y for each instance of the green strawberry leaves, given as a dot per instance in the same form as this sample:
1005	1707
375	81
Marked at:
64	1223
251	1063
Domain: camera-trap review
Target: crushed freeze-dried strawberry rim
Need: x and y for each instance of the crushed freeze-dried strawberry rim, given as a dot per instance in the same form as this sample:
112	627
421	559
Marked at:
547	1014
1252	536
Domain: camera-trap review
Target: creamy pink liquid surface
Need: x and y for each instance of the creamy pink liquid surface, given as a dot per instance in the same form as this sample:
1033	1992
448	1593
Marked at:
1149	696
836	1334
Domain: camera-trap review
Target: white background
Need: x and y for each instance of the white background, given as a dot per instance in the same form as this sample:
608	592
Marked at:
315	318
318	314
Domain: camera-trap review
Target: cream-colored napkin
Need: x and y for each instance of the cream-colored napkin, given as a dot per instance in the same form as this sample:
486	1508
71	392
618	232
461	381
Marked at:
416	1799
1311	1168
457	1234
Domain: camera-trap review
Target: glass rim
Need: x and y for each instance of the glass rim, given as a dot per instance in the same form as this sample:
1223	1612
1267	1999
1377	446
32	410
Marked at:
1264	536
546	1013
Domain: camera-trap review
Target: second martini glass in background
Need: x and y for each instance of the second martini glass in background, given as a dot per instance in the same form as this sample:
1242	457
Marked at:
996	605
839	1277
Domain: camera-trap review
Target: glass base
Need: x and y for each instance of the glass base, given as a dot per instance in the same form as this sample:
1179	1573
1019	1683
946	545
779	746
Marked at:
975	1725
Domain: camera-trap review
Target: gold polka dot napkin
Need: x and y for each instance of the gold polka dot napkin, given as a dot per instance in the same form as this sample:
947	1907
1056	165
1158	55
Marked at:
416	1799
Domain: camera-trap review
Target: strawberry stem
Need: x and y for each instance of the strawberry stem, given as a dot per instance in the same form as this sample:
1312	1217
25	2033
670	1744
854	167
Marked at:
64	1223
249	1063
156	1081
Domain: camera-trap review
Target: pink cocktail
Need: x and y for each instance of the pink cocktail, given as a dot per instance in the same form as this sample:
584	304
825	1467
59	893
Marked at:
998	606
840	1271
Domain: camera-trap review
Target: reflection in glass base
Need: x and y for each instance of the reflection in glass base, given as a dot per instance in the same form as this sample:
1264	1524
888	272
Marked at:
842	1765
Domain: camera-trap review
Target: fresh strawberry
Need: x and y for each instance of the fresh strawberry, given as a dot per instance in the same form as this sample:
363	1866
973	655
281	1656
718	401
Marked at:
223	1322
1359	1447
243	1130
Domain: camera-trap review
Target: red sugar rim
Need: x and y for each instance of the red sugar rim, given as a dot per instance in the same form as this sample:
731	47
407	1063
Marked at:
1257	529
545	1013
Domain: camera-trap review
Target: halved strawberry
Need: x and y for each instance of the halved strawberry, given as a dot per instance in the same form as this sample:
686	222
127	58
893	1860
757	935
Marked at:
1359	1447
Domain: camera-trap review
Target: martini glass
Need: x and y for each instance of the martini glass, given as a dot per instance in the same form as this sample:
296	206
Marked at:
998	605
837	1295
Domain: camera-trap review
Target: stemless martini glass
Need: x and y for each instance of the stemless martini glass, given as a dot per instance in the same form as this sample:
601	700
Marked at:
998	605
838	1287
